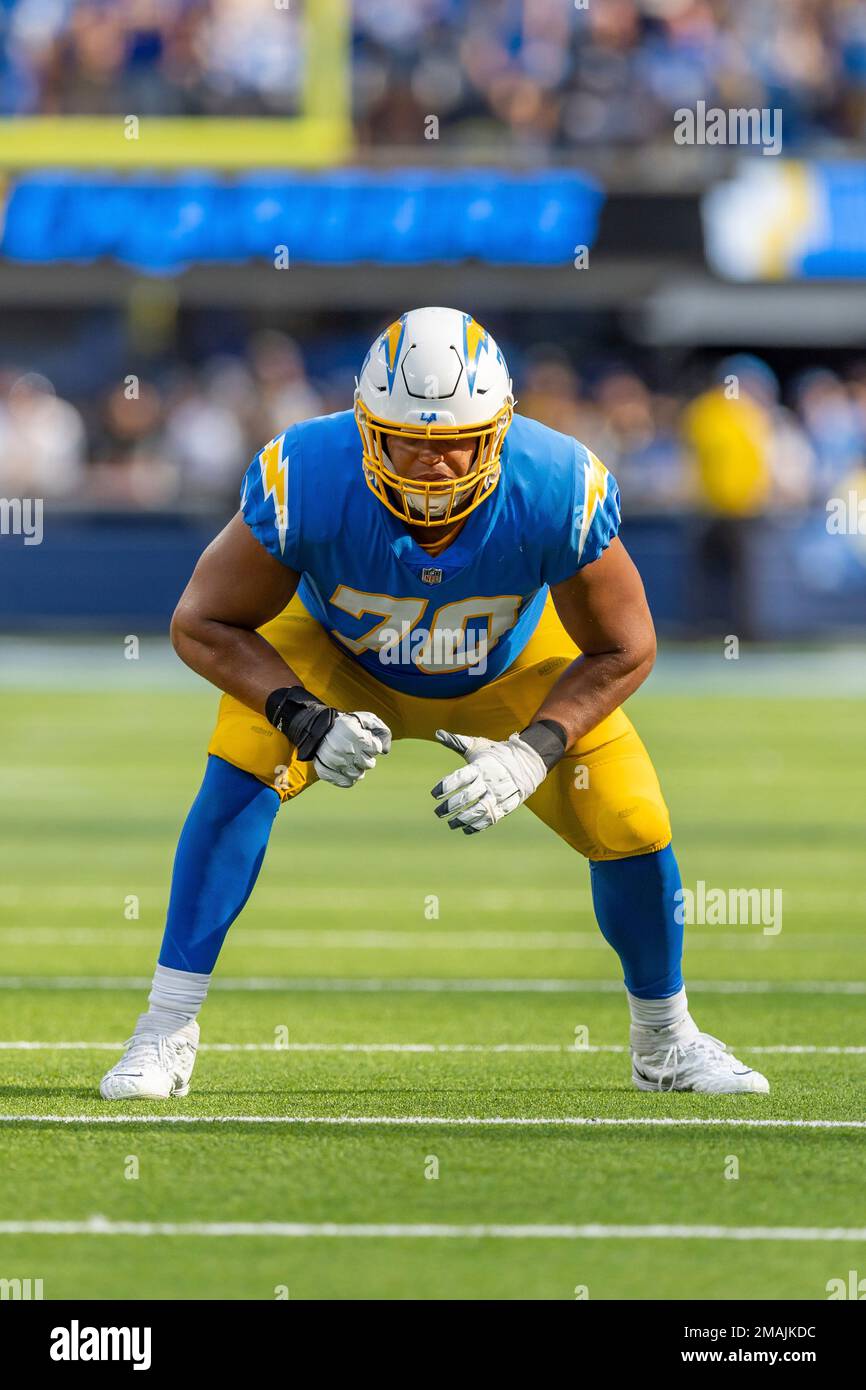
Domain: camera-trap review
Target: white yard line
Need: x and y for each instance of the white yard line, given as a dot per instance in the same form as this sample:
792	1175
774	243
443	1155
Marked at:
570	898
351	939
421	985
485	1048
374	898
298	1230
356	939
442	1121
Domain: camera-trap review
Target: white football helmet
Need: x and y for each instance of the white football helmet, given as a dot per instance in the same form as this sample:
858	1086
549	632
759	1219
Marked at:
434	372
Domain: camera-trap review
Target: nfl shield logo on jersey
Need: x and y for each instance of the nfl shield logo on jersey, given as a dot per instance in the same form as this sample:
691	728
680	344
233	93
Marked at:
431	576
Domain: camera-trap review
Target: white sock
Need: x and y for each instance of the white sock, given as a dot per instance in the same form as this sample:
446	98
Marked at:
175	998
657	1023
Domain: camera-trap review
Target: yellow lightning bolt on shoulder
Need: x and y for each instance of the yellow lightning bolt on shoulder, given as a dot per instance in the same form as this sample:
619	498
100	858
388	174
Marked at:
275	483
595	477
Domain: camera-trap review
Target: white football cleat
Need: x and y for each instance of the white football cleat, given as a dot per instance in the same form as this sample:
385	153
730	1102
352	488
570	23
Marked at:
699	1063
154	1066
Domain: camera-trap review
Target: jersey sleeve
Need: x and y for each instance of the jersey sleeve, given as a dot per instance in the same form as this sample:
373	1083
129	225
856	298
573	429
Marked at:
593	521
271	499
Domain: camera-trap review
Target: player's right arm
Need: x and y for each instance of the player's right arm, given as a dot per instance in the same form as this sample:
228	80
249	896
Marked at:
236	587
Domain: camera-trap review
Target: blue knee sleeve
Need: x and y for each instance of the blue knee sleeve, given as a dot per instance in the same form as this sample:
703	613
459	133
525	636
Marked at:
218	858
636	906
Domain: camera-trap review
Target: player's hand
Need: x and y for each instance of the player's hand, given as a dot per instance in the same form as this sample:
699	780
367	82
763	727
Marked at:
499	777
350	748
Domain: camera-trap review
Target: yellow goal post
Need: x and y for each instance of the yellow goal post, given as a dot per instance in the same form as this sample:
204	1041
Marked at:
320	134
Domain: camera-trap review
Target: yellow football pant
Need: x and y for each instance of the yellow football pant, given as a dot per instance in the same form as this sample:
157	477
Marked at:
603	797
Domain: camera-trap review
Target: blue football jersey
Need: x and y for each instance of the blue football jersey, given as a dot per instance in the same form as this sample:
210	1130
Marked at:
433	627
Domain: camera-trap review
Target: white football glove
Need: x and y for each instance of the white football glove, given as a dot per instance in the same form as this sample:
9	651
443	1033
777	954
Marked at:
350	748
498	779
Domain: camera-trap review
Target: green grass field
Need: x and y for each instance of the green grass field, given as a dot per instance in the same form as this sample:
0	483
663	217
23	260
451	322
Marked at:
393	1013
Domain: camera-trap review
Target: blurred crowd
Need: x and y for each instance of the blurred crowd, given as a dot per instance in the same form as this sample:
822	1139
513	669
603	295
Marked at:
541	73
530	73
178	435
732	444
149	57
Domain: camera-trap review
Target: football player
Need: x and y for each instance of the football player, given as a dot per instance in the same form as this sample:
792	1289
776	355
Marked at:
427	565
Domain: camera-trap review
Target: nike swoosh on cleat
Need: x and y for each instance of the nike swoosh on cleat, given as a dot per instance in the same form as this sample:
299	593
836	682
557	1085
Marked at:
747	1072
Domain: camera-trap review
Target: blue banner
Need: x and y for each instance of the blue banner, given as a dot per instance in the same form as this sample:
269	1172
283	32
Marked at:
346	217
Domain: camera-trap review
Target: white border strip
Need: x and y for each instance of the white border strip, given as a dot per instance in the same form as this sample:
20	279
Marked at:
101	1226
362	984
341	940
488	1049
356	939
442	1121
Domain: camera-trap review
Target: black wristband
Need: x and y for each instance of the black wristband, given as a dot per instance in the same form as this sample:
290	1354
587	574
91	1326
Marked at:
302	717
549	740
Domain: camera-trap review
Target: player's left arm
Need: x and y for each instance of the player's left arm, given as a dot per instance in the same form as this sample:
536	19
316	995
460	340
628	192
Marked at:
603	608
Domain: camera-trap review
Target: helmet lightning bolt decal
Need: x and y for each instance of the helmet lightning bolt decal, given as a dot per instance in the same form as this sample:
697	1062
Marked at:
595	477
275	483
392	341
475	338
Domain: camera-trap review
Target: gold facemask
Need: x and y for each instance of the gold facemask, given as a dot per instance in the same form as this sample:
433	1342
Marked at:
461	495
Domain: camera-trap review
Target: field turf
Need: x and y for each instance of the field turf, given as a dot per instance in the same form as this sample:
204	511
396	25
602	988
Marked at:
425	991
